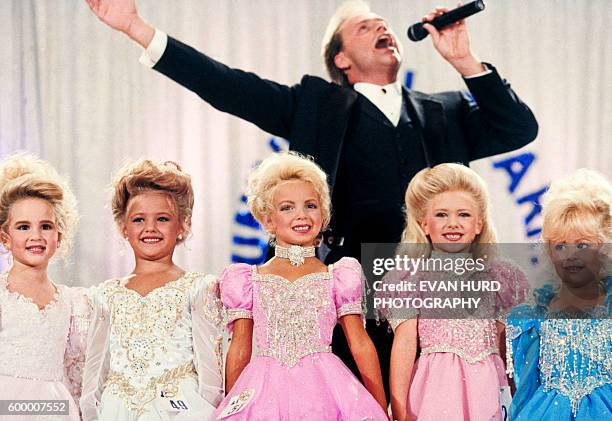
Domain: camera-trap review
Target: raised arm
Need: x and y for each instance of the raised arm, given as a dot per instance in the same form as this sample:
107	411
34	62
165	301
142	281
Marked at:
453	44
265	103
495	121
123	16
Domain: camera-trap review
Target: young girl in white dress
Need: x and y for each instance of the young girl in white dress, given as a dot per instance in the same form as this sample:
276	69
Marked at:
154	347
43	324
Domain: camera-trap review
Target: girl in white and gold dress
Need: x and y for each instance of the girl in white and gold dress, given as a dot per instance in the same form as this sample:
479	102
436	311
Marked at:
154	347
43	325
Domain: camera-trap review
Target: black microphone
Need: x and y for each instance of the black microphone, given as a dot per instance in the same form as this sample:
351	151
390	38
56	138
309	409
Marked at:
416	32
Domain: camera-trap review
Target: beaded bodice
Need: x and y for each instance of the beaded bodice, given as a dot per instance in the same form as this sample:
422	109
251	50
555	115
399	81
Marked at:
144	346
472	340
575	356
33	341
293	319
149	334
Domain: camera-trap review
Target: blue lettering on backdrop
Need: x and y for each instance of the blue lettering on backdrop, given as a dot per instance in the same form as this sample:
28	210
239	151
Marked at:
517	167
249	239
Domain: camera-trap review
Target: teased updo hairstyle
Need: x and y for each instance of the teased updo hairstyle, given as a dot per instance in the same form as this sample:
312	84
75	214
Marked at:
145	175
431	182
280	167
23	176
579	204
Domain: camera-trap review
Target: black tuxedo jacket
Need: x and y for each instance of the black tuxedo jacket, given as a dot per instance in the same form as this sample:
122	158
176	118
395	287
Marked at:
313	114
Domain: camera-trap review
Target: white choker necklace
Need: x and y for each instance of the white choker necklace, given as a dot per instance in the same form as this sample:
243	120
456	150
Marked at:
295	254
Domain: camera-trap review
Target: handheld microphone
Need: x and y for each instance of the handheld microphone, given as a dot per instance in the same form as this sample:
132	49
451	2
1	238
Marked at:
416	32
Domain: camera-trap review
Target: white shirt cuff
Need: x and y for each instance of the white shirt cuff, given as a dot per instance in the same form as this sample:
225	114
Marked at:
486	71
155	50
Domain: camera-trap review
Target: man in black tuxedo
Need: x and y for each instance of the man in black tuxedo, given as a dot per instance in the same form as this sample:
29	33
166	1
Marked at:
364	129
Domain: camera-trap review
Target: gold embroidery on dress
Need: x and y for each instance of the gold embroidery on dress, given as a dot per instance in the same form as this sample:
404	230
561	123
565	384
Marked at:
143	323
137	398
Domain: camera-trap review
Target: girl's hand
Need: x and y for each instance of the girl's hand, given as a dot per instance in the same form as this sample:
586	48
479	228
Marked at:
365	356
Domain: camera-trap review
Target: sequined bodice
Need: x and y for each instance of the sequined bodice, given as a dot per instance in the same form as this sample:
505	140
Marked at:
33	341
293	319
472	340
149	334
575	356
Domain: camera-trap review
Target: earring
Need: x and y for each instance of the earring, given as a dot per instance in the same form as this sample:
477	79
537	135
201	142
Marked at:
179	237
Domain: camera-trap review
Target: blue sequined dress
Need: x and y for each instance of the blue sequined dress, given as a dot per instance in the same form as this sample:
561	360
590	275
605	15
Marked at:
562	367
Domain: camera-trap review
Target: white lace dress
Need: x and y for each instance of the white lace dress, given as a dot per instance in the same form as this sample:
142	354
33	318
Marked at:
150	357
42	351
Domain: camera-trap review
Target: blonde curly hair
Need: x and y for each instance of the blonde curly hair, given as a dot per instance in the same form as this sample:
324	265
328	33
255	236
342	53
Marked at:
285	166
145	175
24	176
580	204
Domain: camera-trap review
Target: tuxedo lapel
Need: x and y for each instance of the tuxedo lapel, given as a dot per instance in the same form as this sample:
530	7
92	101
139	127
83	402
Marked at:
335	112
373	111
429	113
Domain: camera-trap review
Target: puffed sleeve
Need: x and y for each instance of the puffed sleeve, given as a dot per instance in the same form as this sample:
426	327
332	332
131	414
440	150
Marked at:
74	356
207	319
513	287
399	314
523	348
236	286
97	359
348	282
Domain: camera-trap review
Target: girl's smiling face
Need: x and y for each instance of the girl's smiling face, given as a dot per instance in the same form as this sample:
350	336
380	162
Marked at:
452	221
151	225
31	232
296	217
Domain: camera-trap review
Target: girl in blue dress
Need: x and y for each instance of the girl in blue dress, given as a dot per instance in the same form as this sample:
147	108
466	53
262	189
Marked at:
562	342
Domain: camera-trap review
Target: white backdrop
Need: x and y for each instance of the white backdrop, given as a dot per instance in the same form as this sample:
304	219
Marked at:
73	92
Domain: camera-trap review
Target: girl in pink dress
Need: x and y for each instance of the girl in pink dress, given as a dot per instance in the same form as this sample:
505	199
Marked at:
460	372
293	303
43	325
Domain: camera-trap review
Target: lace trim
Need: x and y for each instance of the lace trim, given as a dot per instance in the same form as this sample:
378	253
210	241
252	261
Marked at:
309	277
16	376
350	308
394	323
512	332
471	359
235	314
55	299
290	359
136	399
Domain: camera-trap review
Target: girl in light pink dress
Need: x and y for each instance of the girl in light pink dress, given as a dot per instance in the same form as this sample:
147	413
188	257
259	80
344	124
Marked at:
293	303
43	325
459	373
